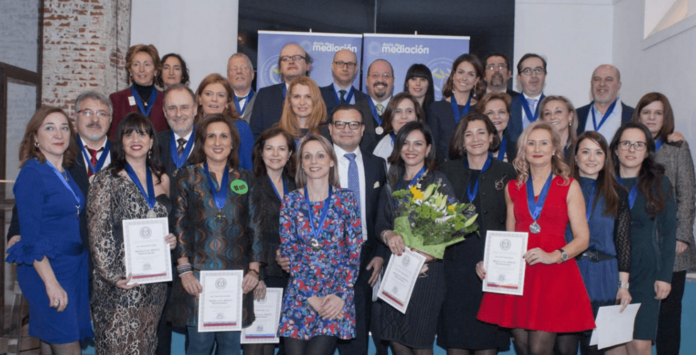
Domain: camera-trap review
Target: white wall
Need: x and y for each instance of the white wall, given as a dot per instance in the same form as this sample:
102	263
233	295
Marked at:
204	32
575	36
667	67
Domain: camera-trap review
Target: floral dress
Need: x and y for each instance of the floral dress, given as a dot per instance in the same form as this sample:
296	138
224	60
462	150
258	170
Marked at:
332	269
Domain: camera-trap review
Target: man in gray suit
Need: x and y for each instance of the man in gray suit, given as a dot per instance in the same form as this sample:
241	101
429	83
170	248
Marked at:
240	74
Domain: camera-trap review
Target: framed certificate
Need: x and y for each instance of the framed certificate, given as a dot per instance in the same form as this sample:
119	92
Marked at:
220	303
148	257
400	278
264	330
503	262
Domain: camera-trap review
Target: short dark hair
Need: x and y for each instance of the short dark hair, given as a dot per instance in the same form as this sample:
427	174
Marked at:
257	152
457	150
185	79
527	56
347	107
497	54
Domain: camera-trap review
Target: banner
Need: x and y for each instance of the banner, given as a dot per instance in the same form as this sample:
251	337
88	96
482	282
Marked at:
436	52
320	46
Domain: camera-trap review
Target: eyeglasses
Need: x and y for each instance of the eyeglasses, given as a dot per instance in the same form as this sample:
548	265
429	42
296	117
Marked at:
537	71
295	58
638	146
500	66
88	113
349	65
354	125
376	76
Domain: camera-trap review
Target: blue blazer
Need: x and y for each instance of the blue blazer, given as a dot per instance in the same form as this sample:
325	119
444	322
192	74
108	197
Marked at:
267	109
626	115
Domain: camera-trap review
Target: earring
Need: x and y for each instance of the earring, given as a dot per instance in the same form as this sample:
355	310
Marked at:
36	144
149	154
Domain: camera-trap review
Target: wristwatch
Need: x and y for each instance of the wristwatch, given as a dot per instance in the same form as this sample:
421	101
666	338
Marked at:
623	284
564	256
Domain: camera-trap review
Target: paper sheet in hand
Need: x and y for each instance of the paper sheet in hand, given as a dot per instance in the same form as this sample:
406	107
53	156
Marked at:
264	330
148	257
220	304
400	278
503	262
614	327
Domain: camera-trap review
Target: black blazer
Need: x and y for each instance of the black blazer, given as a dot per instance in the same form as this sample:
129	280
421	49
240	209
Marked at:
375	178
329	96
164	138
583	112
370	137
512	93
267	109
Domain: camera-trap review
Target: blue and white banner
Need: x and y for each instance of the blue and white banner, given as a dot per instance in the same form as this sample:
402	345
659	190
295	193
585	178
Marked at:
436	52
320	46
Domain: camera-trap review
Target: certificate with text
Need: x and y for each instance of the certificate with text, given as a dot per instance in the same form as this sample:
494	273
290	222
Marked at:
400	278
148	257
220	303
503	262
264	330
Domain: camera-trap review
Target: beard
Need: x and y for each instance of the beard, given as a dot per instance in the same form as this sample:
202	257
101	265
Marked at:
497	80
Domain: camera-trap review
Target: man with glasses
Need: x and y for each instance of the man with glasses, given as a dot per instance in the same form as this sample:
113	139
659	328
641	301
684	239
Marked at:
380	84
364	173
293	62
498	74
524	109
240	74
606	113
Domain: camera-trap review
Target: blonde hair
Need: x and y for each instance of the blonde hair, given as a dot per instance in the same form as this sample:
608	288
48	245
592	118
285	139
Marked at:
288	120
573	128
558	166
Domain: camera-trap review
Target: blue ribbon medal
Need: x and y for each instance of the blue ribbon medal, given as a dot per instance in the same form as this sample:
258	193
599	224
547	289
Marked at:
604	118
632	194
100	163
150	195
314	242
219	195
285	188
79	205
471	194
139	101
455	108
414	181
501	150
528	111
535	207
240	109
179	161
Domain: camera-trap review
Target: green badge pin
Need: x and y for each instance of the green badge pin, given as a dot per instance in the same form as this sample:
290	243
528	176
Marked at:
239	186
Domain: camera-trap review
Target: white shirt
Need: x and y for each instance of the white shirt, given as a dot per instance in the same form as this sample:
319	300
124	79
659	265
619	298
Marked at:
337	88
525	119
107	161
243	99
384	148
610	126
343	164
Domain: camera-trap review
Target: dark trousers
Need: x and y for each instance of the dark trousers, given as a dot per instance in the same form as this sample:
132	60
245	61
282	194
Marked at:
376	328
669	323
363	310
164	329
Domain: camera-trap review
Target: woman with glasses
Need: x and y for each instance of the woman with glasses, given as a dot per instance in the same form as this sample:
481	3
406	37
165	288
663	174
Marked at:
497	107
304	111
655	112
402	109
653	229
419	83
463	89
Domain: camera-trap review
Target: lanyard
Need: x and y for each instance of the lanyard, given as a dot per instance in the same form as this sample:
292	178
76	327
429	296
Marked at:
414	180
139	101
455	108
588	213
240	110
285	188
324	211
179	161
604	118
535	207
219	195
472	194
88	157
528	111
632	194
501	150
658	144
150	195
348	97
78	198
285	90
375	114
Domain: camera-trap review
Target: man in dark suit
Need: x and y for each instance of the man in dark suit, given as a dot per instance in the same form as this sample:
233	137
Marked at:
364	173
176	144
380	84
606	113
293	62
524	109
240	74
498	74
92	120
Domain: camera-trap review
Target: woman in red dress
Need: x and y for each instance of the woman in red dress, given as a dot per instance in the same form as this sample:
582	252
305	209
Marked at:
555	299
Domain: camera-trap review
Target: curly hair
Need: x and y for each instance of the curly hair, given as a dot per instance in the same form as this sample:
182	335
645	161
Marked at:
521	164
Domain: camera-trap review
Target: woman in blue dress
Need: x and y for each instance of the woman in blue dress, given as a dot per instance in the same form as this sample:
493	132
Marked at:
321	234
51	260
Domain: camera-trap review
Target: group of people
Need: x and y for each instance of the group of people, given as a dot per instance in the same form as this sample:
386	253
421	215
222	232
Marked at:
605	193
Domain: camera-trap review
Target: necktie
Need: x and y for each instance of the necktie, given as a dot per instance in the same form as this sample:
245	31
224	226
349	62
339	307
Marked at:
353	177
380	109
531	103
93	160
343	96
180	147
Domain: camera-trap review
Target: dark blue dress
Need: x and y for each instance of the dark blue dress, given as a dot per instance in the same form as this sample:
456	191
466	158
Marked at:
51	227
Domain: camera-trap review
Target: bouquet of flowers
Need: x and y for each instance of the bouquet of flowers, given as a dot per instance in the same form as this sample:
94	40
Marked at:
430	221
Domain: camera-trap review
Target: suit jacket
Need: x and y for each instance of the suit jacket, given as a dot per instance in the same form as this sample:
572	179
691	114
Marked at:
512	93
267	108
514	128
122	107
375	178
583	112
164	139
249	108
329	96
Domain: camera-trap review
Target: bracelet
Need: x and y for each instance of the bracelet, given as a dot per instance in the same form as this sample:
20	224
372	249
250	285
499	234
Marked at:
623	284
250	270
182	269
184	273
384	236
183	266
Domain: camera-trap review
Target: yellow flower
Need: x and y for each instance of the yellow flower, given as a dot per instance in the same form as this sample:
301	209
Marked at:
417	194
451	208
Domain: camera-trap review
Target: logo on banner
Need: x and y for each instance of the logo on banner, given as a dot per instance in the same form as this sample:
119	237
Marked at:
441	69
331	47
270	72
399	48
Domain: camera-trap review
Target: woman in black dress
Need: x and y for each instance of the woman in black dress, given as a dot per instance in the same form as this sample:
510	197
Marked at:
479	178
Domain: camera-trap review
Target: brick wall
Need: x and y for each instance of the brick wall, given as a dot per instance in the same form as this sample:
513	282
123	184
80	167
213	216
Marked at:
84	48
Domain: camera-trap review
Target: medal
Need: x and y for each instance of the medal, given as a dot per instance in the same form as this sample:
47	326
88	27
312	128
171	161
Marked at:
150	195
151	214
180	160
535	207
314	241
315	244
472	192
220	195
219	215
379	130
175	172
535	228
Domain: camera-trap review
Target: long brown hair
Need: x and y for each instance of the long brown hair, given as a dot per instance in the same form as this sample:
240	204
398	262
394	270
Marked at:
607	185
288	120
558	166
198	155
479	89
215	78
257	153
667	113
28	148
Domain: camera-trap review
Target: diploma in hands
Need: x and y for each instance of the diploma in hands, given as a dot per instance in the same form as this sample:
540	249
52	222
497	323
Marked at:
264	330
503	262
220	303
148	257
400	278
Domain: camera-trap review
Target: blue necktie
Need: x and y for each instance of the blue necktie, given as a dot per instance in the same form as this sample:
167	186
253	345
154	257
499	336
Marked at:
353	177
343	100
531	103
